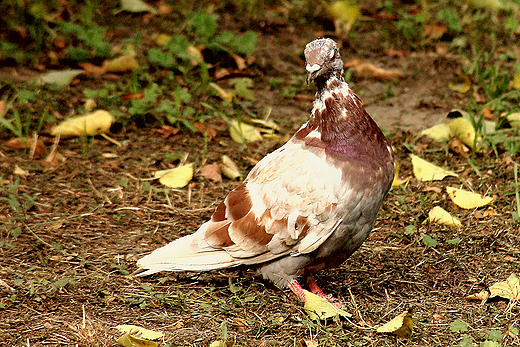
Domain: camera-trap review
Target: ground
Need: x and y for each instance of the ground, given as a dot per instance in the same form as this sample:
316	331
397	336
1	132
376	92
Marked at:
67	278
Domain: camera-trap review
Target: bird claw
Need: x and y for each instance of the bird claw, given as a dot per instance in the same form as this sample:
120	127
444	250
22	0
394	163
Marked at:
297	289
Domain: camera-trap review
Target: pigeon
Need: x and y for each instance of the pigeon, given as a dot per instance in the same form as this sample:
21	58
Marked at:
306	206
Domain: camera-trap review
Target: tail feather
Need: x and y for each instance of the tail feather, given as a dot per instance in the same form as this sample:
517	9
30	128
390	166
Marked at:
184	255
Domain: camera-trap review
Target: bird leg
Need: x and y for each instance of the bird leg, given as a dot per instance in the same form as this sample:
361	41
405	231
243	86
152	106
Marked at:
297	289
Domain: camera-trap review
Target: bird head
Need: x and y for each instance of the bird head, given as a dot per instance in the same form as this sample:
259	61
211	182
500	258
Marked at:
322	59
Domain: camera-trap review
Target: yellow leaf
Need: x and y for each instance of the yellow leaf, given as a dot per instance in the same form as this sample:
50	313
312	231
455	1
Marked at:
439	132
128	340
425	171
121	64
95	123
178	177
441	216
494	5
229	168
242	132
319	308
462	129
140	332
162	39
461	87
222	93
401	325
508	289
397	181
516	81
467	200
19	171
197	55
137	6
514	119
345	13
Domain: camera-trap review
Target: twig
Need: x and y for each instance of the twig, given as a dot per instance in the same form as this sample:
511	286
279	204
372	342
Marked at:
109	139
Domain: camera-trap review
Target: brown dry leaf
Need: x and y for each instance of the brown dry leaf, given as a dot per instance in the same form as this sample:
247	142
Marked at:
163	8
132	96
3	105
364	69
221	73
241	62
434	32
212	172
458	147
432	189
166	131
482	296
203	128
26	143
91	69
488	113
308	343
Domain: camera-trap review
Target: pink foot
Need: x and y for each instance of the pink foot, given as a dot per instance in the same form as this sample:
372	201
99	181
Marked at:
297	289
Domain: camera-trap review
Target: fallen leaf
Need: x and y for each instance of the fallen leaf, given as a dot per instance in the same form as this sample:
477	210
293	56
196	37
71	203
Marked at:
467	200
482	296
459	326
140	332
462	87
308	343
59	78
241	62
425	171
401	325
488	113
212	172
175	178
242	132
508	289
319	308
127	340
204	129
19	171
434	32
514	119
26	143
90	105
364	69
136	6
166	131
440	132
91	69
221	92
3	106
397	181
344	13
494	5
462	129
516	81
161	39
441	216
196	54
229	168
456	146
95	123
121	64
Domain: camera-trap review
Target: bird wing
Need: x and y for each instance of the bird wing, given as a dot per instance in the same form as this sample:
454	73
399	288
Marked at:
288	204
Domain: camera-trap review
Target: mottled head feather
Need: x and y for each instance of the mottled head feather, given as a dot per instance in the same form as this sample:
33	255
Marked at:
322	60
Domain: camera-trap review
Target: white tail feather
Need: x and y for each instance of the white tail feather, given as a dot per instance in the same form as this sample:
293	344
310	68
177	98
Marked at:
184	255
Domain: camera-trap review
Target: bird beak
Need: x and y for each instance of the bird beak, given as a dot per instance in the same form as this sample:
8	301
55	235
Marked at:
311	72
